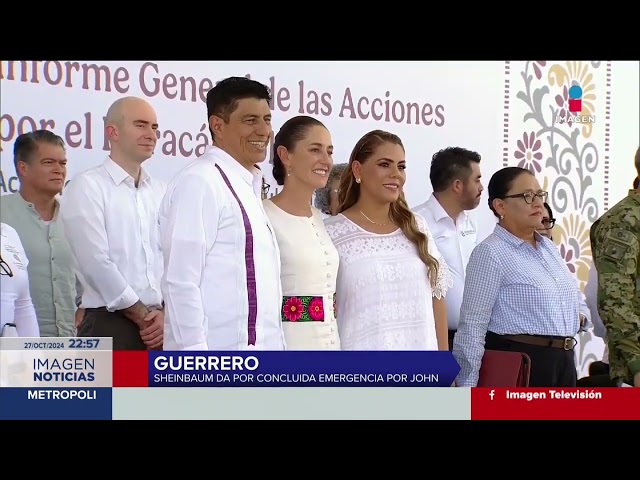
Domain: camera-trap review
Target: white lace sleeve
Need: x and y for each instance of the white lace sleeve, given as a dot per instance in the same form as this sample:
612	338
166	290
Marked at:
445	280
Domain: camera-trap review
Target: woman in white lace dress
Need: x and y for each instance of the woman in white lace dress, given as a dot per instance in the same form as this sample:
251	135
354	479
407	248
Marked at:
302	161
392	280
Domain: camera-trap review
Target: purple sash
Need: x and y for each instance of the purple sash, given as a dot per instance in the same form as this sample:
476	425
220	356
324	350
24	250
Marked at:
249	264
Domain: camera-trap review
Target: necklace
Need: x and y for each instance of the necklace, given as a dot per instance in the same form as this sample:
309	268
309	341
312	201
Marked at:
375	223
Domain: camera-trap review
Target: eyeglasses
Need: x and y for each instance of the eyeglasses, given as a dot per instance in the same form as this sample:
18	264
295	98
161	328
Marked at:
529	197
548	223
5	269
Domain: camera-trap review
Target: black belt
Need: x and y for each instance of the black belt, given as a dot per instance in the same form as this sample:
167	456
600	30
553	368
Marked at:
566	343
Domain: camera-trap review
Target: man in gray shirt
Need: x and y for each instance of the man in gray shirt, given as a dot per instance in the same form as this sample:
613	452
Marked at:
41	165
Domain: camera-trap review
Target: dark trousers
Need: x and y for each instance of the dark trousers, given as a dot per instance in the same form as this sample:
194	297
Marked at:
452	333
99	322
550	366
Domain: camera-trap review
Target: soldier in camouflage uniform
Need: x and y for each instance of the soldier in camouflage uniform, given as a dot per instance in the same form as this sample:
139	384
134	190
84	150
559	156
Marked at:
615	243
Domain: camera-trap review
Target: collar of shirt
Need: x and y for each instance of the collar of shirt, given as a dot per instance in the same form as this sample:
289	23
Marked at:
253	178
440	213
635	194
119	175
509	237
30	207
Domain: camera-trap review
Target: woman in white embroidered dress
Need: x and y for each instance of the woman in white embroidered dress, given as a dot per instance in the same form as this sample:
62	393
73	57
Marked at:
392	279
302	161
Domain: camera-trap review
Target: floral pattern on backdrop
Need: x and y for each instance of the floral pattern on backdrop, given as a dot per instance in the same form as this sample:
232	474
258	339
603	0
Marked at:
567	152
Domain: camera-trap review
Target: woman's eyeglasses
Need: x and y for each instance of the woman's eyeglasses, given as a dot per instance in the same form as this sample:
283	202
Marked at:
548	223
529	197
5	269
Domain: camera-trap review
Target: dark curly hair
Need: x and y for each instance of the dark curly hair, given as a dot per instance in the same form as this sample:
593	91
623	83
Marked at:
223	99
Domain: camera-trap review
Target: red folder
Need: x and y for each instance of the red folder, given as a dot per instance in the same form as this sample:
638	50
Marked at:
504	369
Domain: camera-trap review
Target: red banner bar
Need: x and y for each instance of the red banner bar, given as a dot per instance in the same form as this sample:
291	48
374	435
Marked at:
555	404
130	368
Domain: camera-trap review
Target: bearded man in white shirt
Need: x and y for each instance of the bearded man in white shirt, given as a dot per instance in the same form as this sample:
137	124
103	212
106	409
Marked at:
455	179
221	282
110	215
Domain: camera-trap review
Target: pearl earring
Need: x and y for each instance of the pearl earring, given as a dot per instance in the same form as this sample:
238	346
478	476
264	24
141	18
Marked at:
358	180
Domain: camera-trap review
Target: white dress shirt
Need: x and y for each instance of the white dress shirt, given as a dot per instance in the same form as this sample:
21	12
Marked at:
16	305
112	228
455	242
221	283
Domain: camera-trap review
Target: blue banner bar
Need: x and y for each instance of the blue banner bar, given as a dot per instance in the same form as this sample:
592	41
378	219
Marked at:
302	369
59	403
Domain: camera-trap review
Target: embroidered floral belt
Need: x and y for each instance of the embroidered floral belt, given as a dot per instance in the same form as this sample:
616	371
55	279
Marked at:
304	309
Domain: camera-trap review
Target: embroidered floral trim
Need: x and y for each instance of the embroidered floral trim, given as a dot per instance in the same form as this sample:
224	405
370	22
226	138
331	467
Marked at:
304	309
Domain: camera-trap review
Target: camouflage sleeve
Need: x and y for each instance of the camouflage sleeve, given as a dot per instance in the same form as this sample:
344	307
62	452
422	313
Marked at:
616	253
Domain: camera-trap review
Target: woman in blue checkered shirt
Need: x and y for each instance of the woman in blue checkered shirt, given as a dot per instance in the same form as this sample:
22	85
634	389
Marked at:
519	294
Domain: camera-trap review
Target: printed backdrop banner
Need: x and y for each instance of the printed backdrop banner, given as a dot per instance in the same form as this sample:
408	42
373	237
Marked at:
429	105
512	113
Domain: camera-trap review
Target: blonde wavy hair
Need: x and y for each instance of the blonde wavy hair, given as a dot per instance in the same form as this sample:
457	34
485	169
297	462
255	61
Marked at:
401	215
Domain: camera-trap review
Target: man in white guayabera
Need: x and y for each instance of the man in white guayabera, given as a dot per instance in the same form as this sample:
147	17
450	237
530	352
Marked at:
221	284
